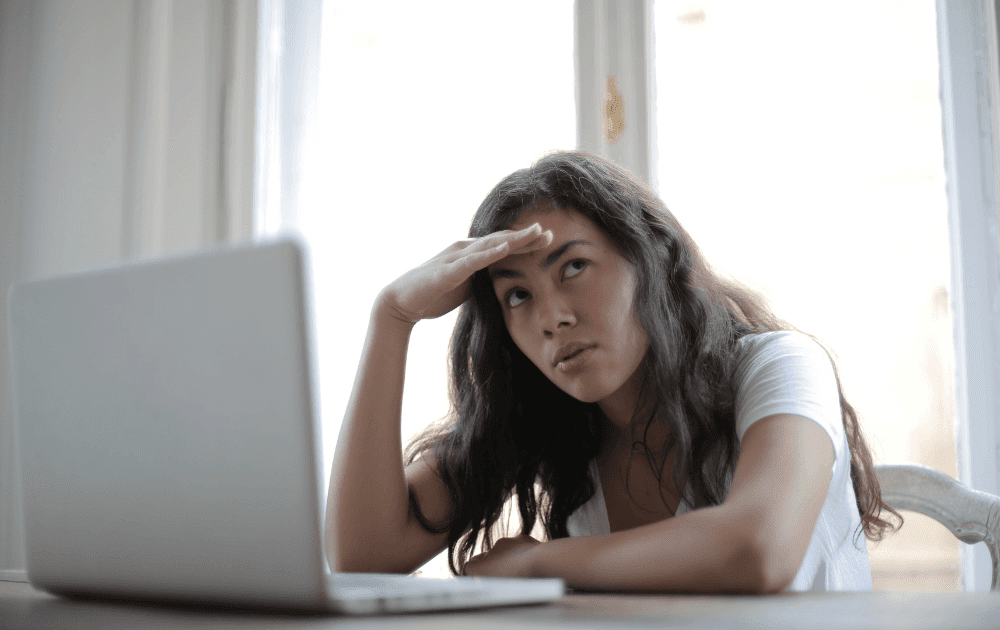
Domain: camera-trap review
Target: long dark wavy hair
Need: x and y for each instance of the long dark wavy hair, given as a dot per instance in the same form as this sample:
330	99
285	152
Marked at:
513	434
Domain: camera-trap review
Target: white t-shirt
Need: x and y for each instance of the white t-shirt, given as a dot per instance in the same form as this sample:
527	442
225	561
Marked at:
787	373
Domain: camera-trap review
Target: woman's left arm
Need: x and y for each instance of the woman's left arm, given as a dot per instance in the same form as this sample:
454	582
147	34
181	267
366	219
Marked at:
754	542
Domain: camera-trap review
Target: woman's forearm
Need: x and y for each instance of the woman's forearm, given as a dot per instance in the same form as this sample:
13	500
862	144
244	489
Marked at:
707	550
368	515
754	542
368	504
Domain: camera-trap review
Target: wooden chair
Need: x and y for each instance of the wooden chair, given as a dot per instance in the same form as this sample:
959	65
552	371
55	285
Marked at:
971	515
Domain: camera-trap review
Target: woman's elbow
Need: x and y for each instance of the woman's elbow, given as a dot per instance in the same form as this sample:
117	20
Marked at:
772	573
761	565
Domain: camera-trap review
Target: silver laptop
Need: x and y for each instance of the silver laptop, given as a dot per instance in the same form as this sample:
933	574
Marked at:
168	448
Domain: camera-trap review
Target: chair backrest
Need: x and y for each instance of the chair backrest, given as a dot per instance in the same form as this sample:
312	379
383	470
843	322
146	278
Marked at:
971	515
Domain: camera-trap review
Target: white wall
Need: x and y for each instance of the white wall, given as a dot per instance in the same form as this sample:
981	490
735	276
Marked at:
112	120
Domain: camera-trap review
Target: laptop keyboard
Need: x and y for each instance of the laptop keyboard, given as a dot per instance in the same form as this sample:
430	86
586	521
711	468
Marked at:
368	585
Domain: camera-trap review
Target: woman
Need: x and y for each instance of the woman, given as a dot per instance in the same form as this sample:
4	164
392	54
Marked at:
665	428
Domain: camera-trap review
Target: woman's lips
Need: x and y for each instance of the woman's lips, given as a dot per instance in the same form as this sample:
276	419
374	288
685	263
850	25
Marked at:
575	361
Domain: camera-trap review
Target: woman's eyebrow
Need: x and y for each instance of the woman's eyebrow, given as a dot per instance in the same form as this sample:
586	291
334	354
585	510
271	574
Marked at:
496	274
559	251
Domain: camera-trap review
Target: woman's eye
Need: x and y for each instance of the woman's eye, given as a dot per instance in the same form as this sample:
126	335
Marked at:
574	267
517	296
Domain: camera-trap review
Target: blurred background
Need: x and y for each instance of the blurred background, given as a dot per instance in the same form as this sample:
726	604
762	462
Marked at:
800	144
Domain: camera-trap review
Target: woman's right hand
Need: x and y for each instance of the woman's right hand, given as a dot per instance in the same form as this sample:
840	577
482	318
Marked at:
442	283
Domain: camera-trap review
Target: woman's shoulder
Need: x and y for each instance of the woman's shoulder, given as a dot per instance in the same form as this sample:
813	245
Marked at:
785	371
780	347
786	352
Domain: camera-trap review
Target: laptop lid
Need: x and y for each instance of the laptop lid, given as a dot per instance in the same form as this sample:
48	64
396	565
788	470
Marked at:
167	445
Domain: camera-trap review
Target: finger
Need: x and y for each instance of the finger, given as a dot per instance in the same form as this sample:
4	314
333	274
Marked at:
539	242
515	237
490	248
490	240
459	245
473	262
466	246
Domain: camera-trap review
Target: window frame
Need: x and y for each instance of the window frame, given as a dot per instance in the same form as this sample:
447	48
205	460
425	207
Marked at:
967	44
616	38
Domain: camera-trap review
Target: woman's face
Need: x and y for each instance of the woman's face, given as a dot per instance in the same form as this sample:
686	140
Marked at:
569	307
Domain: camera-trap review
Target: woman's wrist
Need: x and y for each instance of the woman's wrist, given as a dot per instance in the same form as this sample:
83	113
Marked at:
385	314
542	560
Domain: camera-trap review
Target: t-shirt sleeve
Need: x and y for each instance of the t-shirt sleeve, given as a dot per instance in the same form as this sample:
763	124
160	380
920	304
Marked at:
788	372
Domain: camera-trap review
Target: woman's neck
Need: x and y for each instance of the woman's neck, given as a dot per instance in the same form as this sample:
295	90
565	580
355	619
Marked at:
620	407
625	424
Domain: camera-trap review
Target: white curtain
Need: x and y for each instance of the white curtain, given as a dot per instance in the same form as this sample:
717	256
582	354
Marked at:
287	81
126	131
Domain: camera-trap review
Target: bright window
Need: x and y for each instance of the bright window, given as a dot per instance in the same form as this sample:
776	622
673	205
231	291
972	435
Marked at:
423	108
800	143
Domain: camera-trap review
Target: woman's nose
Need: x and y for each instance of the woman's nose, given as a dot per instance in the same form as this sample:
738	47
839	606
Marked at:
556	313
